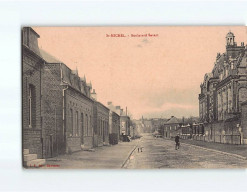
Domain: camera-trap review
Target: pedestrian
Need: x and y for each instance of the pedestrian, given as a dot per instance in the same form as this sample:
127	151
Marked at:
177	142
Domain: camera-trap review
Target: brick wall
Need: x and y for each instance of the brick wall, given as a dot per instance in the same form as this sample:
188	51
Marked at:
101	123
81	106
31	65
52	110
32	141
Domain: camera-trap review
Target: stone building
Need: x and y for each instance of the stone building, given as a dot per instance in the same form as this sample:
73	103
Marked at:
114	124
171	127
223	90
32	65
124	124
124	121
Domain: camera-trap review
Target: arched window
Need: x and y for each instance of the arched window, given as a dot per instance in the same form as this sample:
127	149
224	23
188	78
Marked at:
76	124
82	127
90	125
87	124
71	121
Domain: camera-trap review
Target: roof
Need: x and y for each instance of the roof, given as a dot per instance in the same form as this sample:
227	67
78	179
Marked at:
48	57
230	34
172	120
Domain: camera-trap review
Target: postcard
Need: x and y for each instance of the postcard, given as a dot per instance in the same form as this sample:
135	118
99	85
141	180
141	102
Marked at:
134	97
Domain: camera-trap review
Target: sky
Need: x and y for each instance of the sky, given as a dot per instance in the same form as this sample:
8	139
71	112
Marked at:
153	76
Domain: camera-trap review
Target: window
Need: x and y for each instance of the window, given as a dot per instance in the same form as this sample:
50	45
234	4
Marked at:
101	127
31	107
82	126
76	124
71	121
87	124
98	127
90	125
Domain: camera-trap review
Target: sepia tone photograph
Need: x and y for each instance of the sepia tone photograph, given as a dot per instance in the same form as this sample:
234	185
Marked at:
134	97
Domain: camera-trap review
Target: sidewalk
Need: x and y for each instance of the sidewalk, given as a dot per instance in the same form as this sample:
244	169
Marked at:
105	157
229	148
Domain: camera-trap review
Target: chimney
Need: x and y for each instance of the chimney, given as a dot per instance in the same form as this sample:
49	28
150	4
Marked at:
30	39
118	111
109	103
94	95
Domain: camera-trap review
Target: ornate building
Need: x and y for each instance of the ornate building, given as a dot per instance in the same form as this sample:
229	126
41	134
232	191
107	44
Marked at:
225	88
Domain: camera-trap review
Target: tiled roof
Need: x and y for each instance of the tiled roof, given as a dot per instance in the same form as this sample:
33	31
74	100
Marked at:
48	57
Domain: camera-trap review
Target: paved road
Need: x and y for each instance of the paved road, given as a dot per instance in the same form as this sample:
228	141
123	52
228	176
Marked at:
161	153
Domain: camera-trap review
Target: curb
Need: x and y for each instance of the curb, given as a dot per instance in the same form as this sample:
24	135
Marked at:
218	151
131	152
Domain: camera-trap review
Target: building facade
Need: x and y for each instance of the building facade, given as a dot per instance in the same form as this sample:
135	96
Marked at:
67	108
101	124
223	90
32	65
171	127
114	124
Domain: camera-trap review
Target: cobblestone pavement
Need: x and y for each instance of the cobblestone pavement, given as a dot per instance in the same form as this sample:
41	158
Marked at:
106	157
161	153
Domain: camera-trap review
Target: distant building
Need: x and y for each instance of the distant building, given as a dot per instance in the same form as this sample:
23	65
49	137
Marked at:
171	127
223	90
157	124
124	121
147	125
114	124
